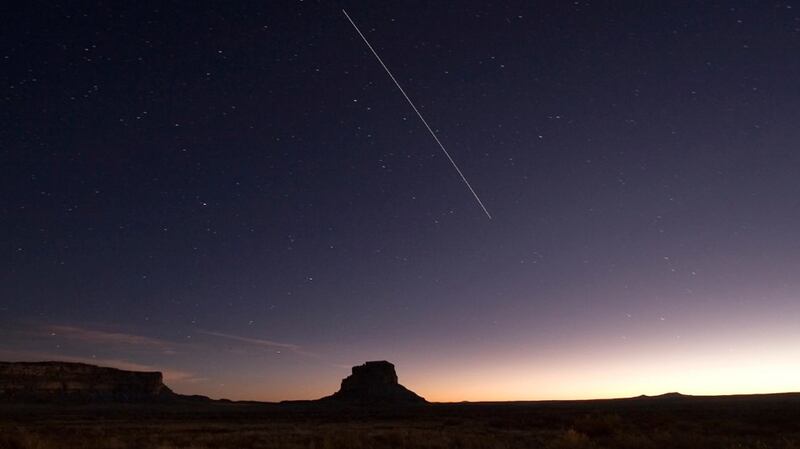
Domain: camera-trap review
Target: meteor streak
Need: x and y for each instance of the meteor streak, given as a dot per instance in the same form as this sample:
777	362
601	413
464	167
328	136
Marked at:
424	122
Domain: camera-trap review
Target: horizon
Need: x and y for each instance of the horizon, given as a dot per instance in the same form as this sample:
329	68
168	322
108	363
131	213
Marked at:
550	200
625	393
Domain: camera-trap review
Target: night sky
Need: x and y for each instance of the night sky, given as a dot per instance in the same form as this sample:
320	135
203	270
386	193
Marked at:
239	196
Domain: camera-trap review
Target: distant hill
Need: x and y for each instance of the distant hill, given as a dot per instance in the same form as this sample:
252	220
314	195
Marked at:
671	395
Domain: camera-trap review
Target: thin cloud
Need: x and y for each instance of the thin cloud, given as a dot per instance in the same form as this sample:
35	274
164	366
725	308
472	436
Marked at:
253	341
170	375
293	348
81	333
100	336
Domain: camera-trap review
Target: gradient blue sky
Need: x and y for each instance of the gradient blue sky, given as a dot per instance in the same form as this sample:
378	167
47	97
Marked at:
237	195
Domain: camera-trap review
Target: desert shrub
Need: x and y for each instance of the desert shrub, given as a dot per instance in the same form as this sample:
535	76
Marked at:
630	440
599	426
20	439
572	439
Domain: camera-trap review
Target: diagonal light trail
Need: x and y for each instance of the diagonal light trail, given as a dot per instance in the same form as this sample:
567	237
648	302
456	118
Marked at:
444	150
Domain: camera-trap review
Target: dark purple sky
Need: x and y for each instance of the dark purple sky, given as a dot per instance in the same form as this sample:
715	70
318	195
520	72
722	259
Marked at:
239	196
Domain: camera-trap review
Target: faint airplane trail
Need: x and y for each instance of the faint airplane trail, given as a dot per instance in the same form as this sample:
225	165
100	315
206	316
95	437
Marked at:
446	153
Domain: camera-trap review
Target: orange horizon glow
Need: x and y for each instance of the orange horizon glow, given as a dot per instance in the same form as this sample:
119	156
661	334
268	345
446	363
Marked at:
749	371
704	360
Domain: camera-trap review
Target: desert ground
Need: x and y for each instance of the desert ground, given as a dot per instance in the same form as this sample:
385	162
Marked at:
674	422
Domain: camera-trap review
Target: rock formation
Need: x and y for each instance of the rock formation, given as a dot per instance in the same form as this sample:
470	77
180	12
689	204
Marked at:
63	381
374	383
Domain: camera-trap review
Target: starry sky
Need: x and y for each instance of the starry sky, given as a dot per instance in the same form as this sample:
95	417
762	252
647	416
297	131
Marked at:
238	195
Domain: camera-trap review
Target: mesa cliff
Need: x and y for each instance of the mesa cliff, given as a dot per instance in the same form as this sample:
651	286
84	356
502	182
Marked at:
66	381
374	383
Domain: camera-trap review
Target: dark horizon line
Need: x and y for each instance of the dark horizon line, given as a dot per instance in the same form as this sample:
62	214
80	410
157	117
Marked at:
662	396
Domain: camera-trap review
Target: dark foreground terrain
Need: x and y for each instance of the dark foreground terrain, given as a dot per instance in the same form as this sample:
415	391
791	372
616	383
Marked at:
675	422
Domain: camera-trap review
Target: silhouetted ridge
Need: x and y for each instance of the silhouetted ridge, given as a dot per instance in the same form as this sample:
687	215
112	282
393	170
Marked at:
374	383
66	381
672	395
